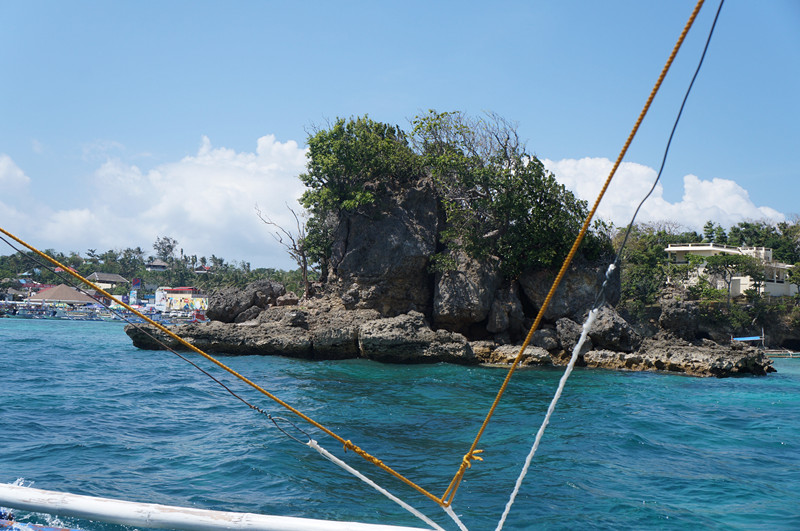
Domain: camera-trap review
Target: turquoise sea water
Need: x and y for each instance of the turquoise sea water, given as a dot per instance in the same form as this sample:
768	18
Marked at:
83	411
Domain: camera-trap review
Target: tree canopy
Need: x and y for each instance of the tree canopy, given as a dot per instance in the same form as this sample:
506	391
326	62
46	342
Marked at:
497	199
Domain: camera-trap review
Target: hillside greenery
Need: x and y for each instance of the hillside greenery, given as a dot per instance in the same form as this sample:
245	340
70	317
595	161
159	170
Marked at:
131	263
646	271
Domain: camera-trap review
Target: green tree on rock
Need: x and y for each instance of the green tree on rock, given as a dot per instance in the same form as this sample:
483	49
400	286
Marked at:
498	199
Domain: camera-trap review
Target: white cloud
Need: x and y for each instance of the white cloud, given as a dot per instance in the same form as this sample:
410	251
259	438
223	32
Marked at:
205	201
12	178
720	200
15	200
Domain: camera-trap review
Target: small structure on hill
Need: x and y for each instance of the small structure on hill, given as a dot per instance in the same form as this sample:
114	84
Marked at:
107	281
156	265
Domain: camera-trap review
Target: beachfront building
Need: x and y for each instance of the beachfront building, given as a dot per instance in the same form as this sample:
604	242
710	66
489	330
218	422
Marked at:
185	298
106	281
775	273
61	294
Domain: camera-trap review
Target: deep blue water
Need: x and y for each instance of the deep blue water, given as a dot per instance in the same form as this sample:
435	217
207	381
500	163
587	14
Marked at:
83	411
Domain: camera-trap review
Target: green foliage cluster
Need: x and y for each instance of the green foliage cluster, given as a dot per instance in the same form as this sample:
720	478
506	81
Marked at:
352	166
498	200
353	162
645	268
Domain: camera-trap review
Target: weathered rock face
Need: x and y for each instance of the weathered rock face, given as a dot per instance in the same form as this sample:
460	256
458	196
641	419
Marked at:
576	293
506	354
381	262
464	297
332	334
679	318
610	331
507	316
327	331
408	339
230	305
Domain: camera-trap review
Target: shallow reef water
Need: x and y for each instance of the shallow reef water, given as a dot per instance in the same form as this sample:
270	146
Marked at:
83	411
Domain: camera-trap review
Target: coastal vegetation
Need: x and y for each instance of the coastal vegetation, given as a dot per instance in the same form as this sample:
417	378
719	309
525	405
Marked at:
497	200
647	274
130	263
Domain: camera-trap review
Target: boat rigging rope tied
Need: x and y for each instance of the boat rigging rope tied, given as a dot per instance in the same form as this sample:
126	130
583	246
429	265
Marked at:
472	455
447	497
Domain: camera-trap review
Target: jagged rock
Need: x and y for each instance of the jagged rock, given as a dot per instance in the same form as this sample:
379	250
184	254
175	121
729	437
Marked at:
679	318
407	338
575	295
610	331
228	303
545	338
381	262
507	315
569	332
464	296
671	354
334	334
251	313
482	349
216	337
295	318
290	299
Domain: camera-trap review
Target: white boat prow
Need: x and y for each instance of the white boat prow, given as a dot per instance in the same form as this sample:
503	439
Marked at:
157	516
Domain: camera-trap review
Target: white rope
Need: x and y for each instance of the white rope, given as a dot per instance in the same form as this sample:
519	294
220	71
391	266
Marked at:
335	460
575	351
449	510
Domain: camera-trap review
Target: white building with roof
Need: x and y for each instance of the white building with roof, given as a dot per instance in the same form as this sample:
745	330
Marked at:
775	273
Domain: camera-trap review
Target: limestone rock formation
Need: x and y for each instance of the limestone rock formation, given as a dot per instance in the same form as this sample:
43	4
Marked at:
671	354
381	261
337	334
229	304
679	318
575	295
407	338
610	331
464	297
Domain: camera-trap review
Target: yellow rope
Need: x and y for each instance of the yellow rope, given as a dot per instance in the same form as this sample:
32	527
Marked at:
347	444
470	455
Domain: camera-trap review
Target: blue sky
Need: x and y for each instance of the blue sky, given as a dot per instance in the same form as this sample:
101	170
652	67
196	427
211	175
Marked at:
124	121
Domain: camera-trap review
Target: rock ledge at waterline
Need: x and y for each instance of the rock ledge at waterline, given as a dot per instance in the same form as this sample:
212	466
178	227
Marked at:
321	332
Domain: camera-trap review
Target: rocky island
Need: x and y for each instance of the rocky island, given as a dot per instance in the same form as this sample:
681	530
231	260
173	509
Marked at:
384	294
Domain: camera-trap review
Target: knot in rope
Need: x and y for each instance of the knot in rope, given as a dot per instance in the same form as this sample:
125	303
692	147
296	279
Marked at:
467	460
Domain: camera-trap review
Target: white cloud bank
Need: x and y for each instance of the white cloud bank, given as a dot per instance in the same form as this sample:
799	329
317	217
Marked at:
720	200
205	201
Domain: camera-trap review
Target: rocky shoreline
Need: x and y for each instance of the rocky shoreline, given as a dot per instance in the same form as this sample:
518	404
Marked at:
380	299
322	330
